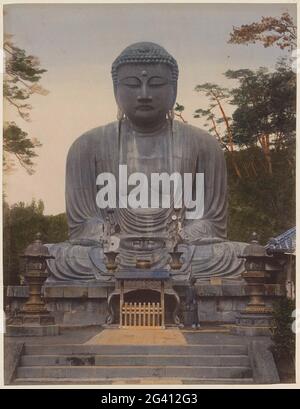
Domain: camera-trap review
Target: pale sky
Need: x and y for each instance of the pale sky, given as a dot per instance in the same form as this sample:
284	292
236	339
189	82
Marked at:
77	44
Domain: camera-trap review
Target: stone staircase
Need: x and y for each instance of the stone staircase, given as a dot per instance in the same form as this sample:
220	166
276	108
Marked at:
134	364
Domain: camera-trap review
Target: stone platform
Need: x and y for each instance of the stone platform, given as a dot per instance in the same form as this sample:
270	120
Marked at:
74	358
86	304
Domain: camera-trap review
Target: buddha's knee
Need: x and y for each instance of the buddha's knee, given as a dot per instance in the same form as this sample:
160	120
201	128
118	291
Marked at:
73	262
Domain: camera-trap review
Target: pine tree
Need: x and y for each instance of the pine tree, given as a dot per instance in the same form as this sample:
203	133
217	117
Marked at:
21	80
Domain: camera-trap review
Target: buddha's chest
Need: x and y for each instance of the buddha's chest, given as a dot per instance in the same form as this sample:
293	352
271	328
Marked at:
156	163
162	153
146	146
150	154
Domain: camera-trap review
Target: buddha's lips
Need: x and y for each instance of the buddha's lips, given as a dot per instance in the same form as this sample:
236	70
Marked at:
144	108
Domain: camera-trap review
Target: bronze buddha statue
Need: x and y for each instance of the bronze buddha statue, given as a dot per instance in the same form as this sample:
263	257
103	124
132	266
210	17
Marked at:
146	139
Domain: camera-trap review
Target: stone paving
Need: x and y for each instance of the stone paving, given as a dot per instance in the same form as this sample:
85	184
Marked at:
138	336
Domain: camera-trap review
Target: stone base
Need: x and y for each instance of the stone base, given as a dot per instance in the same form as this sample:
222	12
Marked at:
33	320
86	304
32	330
250	324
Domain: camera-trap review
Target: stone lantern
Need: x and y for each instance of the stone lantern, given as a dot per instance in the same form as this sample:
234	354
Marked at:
256	318
256	276
34	318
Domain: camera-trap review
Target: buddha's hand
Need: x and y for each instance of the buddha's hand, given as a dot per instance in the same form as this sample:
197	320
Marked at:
196	232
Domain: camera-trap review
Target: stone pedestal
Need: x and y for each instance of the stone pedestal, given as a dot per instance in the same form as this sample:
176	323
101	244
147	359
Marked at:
87	304
32	323
28	330
255	319
251	324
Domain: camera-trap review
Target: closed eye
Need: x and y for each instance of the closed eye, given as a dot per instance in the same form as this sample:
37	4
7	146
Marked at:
132	82
157	81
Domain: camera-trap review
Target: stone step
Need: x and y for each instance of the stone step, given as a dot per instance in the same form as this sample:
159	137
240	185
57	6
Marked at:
76	349
218	381
85	372
133	381
135	360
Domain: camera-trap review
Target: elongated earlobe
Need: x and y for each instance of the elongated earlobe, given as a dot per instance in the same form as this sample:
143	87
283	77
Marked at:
171	114
120	114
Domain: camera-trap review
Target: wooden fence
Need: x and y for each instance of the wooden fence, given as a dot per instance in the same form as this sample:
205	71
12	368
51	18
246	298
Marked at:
142	315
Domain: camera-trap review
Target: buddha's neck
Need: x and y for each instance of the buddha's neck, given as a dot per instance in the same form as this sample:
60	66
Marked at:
148	129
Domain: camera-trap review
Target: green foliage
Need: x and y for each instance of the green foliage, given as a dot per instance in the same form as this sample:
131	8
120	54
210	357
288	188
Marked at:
259	201
16	141
22	66
56	228
259	144
283	336
214	114
212	90
21	223
178	110
22	75
266	106
179	107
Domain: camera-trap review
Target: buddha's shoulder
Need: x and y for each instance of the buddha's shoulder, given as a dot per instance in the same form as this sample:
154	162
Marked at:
194	134
95	135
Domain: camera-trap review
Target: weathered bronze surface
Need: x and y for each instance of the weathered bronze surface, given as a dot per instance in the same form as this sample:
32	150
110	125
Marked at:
147	139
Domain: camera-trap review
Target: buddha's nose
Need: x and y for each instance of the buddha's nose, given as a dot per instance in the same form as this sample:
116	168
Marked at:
144	95
146	98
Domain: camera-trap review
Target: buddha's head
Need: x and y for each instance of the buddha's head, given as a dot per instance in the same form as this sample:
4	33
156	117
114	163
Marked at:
145	83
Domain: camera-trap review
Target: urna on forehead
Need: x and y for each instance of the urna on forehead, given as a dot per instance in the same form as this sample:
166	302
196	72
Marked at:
146	53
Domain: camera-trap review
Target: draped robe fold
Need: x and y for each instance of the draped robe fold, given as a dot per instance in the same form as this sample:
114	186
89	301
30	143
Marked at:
184	149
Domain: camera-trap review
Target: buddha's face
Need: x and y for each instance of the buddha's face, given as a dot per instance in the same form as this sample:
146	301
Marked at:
145	93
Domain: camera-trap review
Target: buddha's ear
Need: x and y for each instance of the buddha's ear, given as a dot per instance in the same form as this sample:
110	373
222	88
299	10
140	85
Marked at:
115	93
173	95
116	96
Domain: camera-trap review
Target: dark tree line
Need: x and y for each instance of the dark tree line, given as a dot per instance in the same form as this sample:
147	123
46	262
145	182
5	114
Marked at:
21	222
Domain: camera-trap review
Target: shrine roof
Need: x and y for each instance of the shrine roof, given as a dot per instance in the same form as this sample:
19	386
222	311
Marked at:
285	241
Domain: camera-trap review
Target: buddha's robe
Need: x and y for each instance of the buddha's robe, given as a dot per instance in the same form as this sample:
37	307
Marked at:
179	148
